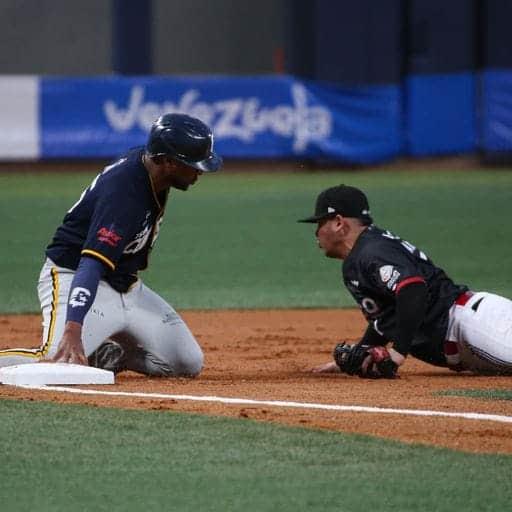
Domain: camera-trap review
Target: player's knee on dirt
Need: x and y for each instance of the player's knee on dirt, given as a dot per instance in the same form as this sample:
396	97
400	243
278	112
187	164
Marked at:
191	365
188	364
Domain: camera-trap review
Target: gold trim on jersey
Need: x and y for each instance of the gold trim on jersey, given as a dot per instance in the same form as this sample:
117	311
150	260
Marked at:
100	257
45	347
25	352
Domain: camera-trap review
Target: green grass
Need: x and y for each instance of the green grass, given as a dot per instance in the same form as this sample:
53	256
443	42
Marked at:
233	239
70	458
486	394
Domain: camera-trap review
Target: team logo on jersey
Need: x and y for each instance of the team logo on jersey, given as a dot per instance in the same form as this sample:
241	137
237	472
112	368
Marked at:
139	241
149	233
79	297
108	236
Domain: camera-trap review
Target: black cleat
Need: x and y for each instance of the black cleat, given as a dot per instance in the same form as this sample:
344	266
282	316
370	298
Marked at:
109	356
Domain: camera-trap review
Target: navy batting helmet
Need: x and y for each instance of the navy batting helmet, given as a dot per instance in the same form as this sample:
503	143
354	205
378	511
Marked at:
185	139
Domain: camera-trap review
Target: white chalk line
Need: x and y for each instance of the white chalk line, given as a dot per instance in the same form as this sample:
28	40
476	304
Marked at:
279	403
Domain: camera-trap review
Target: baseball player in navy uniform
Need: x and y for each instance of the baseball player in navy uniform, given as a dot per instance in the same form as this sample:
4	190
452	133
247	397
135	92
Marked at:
412	306
96	309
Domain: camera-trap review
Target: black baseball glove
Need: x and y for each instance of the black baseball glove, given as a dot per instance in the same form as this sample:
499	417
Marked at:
377	361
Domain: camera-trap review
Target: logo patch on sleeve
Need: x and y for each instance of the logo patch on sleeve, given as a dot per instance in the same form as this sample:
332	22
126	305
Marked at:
108	236
389	275
385	273
394	278
79	297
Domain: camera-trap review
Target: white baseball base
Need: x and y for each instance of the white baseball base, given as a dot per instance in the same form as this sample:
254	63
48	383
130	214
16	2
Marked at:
40	374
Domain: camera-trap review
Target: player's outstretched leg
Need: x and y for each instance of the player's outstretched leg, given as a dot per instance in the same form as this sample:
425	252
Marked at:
124	354
156	340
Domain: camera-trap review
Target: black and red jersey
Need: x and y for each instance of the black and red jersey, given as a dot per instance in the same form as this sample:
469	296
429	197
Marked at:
378	267
116	220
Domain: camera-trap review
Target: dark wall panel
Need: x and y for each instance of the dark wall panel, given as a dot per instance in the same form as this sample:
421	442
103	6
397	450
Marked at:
496	16
440	35
358	42
299	38
440	89
131	55
345	42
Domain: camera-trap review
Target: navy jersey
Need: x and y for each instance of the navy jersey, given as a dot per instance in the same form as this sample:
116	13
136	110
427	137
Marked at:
378	266
116	220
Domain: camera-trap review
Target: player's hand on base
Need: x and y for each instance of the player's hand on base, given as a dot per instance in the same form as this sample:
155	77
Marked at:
330	367
71	349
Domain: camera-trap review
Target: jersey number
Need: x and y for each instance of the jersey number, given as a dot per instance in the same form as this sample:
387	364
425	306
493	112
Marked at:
369	305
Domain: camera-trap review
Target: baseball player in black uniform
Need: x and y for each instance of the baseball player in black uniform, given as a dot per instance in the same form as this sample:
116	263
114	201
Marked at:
96	309
406	299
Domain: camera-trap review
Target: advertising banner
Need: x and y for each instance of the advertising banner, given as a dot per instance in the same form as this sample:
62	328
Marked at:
259	117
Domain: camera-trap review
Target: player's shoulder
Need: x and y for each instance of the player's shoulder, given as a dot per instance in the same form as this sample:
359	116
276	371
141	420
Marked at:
129	161
374	237
124	170
377	243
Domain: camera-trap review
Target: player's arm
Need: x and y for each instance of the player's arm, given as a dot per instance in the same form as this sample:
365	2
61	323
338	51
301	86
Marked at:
81	297
411	305
370	357
372	337
102	249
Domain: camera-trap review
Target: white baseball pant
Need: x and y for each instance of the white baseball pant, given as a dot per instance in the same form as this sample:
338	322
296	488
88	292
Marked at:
481	333
139	316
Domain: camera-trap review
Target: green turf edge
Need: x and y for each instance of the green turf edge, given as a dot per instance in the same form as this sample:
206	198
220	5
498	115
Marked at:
486	394
59	457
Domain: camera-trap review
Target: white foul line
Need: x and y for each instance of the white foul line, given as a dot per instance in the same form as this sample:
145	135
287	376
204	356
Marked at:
279	403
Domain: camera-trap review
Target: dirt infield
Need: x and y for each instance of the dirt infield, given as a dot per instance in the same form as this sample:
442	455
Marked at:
266	355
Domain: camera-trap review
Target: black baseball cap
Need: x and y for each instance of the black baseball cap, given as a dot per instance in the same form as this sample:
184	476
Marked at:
343	200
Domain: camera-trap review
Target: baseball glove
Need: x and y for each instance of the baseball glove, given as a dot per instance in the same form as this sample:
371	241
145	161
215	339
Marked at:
367	361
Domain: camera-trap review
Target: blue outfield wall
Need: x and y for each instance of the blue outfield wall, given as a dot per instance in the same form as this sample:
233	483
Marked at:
261	117
440	114
496	90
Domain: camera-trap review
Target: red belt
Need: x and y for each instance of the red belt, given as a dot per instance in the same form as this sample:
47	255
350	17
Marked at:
463	298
